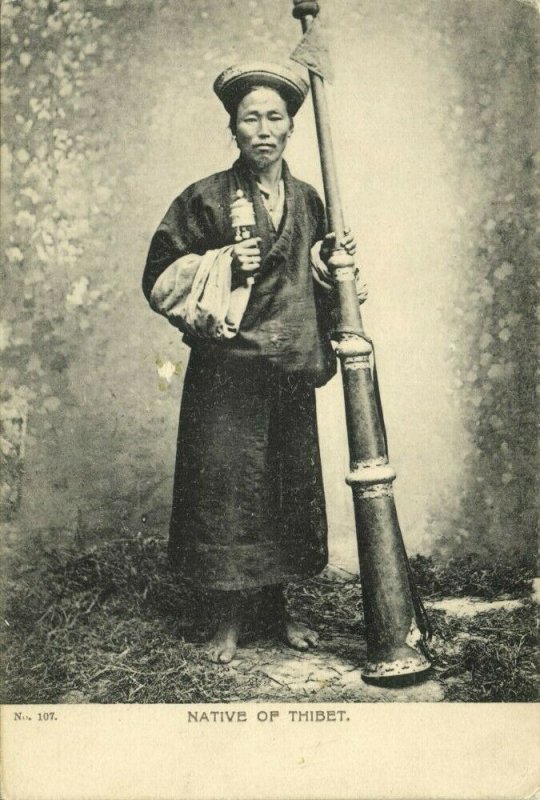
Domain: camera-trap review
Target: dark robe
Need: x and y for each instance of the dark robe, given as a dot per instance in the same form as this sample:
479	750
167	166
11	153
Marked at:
248	502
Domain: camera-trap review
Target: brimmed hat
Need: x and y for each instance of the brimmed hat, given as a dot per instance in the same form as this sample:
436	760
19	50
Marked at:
235	81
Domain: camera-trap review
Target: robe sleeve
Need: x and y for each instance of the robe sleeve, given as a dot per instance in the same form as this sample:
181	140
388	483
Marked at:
319	270
325	294
318	214
185	229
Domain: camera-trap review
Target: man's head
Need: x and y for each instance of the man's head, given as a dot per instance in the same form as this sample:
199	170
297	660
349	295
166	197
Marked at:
262	100
234	83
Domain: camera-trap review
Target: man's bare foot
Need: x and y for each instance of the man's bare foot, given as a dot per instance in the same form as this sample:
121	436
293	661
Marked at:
298	635
230	610
222	646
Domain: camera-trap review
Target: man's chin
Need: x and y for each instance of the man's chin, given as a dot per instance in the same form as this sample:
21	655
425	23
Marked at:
262	160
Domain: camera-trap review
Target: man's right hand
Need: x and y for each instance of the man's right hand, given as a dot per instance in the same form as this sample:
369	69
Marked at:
246	256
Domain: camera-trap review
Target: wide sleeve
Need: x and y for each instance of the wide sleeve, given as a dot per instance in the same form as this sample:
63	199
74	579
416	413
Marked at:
323	288
318	227
319	216
319	270
184	229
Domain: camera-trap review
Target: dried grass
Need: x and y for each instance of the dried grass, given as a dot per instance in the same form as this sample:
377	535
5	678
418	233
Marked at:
492	657
110	625
469	575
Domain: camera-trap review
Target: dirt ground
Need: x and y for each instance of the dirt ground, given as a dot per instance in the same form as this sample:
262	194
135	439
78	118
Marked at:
322	675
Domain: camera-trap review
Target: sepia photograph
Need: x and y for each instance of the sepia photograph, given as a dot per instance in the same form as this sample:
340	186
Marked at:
269	430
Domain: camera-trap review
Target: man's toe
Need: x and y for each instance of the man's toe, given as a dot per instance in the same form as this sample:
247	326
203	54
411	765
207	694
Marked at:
226	655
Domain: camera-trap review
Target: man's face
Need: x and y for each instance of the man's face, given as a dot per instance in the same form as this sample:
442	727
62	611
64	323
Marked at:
263	126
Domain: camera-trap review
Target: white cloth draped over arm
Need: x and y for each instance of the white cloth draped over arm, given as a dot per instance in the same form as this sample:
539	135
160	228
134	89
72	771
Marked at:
194	293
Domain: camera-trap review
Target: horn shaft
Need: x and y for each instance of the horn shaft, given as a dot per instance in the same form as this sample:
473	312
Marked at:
393	612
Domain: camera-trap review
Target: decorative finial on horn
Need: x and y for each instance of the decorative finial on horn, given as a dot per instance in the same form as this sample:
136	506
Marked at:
305	8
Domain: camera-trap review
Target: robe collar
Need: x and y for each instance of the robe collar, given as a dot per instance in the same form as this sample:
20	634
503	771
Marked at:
273	244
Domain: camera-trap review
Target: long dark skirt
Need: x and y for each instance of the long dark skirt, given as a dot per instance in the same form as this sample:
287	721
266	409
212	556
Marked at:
248	503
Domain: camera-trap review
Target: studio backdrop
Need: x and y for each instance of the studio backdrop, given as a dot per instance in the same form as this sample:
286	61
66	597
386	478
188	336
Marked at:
108	113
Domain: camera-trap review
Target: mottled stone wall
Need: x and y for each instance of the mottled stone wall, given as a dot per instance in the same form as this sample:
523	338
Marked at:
108	113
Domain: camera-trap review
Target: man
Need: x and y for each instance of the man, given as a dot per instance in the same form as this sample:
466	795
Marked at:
248	506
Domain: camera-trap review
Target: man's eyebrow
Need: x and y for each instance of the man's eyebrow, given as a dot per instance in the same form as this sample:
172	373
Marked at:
264	111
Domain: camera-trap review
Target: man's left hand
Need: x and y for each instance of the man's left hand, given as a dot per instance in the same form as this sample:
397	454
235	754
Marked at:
348	243
320	260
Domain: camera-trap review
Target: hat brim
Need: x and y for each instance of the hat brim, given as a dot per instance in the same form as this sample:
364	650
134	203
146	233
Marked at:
234	82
